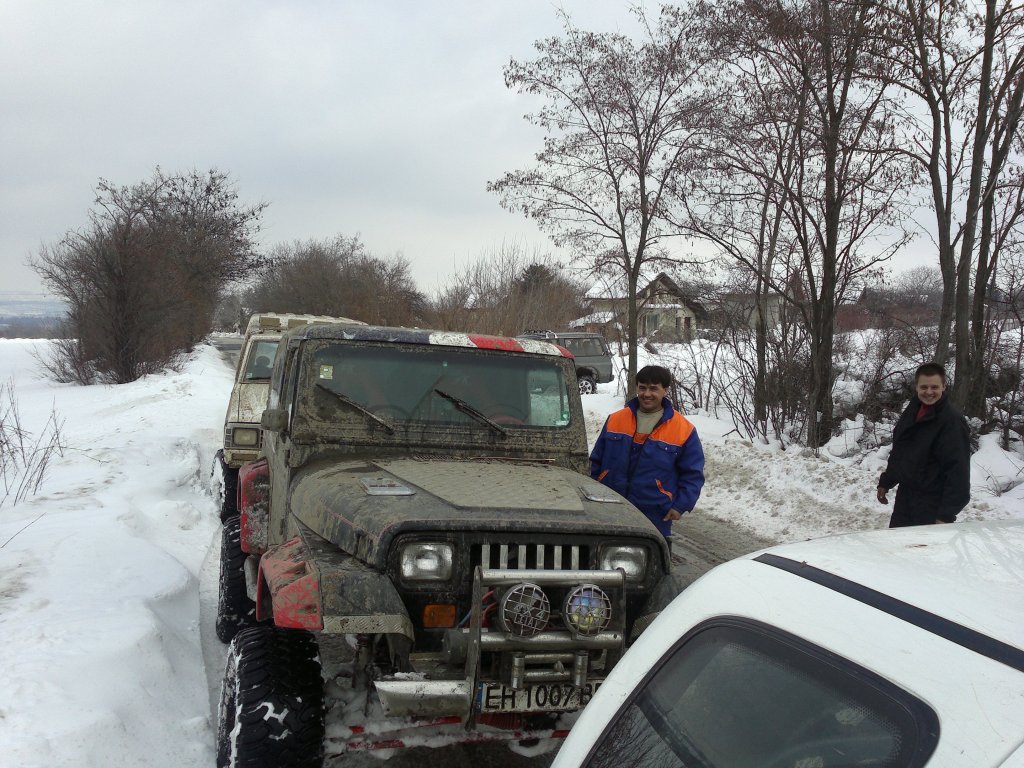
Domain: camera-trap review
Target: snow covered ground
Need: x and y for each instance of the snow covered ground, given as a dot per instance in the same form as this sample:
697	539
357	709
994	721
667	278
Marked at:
101	641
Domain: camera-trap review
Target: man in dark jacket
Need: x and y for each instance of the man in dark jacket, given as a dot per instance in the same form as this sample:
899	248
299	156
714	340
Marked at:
930	459
650	453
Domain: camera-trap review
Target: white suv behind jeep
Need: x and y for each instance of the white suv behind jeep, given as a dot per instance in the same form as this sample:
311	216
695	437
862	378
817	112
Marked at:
890	648
242	437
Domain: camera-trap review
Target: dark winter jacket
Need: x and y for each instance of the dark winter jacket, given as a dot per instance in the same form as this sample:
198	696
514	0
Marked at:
930	462
663	472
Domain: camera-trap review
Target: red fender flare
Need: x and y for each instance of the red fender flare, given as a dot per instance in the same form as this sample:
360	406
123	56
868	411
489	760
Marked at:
292	587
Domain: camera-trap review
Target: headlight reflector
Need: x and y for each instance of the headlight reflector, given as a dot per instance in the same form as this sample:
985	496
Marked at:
587	609
426	562
632	560
245	436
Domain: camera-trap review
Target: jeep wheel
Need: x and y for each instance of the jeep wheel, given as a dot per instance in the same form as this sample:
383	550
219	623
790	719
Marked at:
235	610
229	487
271	712
588	385
229	502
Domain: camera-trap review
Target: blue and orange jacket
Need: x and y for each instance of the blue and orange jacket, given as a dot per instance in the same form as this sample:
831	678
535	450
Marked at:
662	472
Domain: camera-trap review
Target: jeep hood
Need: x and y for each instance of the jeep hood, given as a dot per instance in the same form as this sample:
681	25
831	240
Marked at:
247	403
362	506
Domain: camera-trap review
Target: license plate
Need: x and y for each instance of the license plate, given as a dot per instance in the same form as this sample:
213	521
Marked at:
536	697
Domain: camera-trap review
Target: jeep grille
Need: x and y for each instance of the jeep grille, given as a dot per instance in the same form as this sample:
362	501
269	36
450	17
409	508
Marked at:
547	557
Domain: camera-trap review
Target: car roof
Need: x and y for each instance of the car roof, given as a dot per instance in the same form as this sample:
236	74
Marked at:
422	336
970	573
937	610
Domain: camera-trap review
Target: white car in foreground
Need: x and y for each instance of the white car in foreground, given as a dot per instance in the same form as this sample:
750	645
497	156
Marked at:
891	648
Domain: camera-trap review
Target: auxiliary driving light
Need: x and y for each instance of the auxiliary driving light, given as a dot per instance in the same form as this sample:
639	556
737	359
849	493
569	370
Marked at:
587	609
524	610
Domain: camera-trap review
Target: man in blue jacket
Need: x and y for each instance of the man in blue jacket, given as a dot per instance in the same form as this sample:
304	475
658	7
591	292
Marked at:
650	453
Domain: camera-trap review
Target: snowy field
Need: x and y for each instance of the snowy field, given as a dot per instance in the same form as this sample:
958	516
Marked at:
101	571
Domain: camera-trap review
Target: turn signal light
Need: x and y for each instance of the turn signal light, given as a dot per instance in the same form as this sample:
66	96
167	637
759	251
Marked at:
438	616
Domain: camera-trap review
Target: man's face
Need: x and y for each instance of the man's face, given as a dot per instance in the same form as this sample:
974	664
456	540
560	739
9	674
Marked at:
650	396
930	389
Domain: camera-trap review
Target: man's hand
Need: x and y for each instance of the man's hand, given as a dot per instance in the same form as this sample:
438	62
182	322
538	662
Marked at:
673	514
880	493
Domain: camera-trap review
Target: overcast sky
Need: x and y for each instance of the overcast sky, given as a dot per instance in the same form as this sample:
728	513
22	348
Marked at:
385	119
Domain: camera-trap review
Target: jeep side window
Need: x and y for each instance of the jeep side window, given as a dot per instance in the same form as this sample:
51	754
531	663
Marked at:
549	404
291	379
277	385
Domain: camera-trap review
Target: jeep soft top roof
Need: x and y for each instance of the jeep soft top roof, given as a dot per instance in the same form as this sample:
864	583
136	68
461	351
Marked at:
421	336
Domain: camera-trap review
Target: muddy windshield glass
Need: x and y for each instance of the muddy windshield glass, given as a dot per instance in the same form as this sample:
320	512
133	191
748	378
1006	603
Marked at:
441	385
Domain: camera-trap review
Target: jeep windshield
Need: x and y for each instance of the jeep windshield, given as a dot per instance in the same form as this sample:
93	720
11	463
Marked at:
441	385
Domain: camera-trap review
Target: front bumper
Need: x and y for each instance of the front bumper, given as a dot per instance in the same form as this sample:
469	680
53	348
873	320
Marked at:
552	656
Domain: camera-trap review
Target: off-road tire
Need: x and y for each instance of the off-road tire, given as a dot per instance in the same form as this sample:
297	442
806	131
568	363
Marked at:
235	611
229	482
271	712
588	385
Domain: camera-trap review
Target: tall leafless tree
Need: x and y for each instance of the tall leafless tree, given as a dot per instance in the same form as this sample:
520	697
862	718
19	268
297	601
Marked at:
621	120
964	62
811	166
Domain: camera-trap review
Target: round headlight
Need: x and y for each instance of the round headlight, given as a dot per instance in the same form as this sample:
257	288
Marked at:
587	609
524	610
427	562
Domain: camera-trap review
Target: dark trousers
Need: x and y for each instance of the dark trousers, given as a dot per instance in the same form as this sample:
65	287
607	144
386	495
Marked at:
905	513
902	521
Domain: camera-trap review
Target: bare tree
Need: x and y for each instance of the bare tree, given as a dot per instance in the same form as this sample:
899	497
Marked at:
621	120
206	237
508	291
337	277
829	190
1006	329
141	279
967	68
739	205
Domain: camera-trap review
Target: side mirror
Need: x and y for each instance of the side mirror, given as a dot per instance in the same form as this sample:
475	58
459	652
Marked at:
274	419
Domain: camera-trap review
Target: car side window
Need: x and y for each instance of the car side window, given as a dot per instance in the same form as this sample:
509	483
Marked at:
739	694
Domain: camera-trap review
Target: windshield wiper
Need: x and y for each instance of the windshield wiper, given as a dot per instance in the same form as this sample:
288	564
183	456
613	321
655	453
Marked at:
465	407
359	407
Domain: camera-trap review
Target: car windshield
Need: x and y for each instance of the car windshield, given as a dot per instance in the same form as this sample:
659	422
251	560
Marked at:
737	698
441	385
260	360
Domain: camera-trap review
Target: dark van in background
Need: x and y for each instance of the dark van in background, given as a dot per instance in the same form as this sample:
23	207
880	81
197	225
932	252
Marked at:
590	350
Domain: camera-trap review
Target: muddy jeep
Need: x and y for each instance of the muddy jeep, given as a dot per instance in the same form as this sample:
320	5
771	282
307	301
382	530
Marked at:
420	556
249	396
